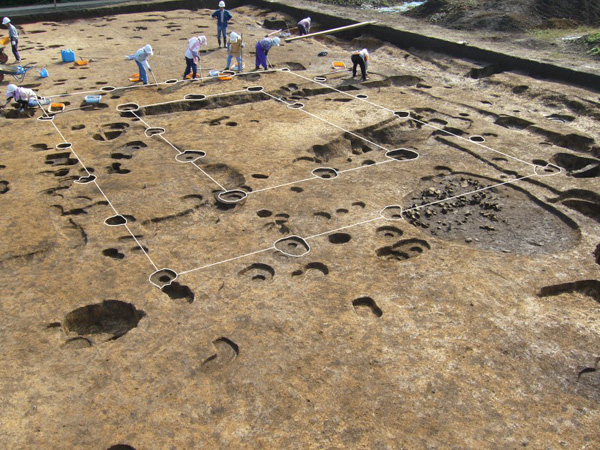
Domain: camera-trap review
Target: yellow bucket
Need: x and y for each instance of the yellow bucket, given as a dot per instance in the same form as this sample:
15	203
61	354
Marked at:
134	77
5	40
82	62
339	65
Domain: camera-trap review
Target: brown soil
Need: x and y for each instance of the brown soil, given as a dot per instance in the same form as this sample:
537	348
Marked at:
140	310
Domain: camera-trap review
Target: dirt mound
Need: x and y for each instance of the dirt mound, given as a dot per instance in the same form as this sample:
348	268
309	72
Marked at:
508	15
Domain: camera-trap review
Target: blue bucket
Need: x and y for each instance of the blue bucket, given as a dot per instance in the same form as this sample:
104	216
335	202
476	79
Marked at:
67	55
93	98
43	73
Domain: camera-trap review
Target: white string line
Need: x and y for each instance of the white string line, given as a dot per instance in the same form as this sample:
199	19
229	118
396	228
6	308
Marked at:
168	142
337	229
228	260
180	152
282	185
375	219
196	100
139	86
140	119
341	92
371	165
329	123
416	120
142	247
103	194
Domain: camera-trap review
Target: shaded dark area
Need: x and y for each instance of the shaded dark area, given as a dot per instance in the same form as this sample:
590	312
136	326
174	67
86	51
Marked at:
112	317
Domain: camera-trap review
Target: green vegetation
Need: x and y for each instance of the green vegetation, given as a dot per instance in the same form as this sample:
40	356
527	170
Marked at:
593	42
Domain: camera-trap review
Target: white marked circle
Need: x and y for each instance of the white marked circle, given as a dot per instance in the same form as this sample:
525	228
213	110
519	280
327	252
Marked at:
86	179
108	88
325	173
163	277
171	81
320	79
190	156
194	97
44	118
64	145
296	105
362	96
115	221
294	246
154	131
402	114
255	89
285	69
231	197
392	212
128	107
547	170
478	139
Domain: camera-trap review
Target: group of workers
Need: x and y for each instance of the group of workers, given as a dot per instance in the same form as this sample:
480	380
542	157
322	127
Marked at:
234	45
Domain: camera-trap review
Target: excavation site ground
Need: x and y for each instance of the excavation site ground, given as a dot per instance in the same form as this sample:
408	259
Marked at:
293	258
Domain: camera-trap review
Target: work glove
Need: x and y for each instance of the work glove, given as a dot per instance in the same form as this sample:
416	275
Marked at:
13	43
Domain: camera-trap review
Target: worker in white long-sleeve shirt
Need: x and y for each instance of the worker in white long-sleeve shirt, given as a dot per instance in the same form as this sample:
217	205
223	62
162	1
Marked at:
141	59
23	96
192	55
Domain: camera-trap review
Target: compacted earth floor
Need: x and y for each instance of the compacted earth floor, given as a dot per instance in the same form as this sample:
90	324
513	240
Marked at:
292	258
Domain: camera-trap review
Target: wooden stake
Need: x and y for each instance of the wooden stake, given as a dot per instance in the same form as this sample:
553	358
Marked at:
333	30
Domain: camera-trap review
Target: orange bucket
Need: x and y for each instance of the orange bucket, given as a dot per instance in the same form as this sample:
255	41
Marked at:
134	77
57	107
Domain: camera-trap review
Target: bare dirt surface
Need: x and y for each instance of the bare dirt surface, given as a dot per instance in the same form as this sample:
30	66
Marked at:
505	26
414	262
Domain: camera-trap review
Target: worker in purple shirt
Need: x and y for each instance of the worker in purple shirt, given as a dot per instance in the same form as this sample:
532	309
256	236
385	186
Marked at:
262	49
223	16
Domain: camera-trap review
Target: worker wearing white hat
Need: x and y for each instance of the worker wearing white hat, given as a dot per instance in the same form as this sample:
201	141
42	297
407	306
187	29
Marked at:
234	49
192	55
23	96
141	59
223	16
304	26
14	37
262	50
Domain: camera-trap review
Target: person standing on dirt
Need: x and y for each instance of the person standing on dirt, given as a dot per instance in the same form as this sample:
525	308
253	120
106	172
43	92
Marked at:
141	59
14	37
304	26
234	49
262	50
192	56
223	16
360	58
22	96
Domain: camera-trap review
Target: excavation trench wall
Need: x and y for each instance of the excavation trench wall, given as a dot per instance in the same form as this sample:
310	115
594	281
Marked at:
403	39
